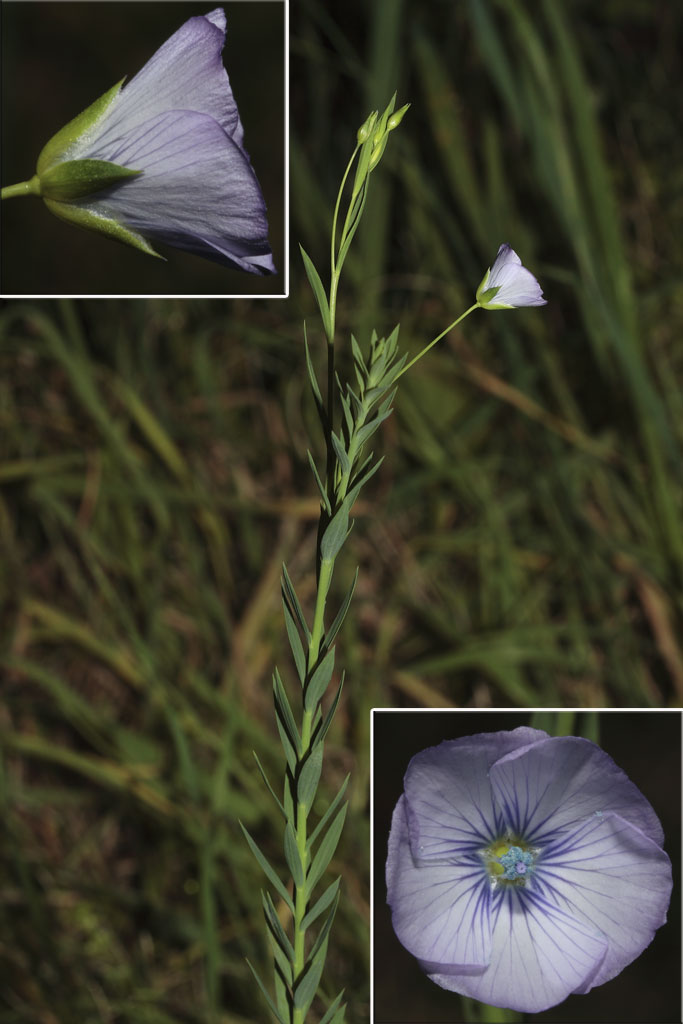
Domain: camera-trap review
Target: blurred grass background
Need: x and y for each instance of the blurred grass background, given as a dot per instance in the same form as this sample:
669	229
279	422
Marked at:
521	545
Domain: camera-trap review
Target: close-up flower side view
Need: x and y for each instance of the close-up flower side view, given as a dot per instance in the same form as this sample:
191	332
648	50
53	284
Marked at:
341	670
159	158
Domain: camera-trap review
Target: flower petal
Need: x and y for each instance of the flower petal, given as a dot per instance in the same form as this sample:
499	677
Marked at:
540	954
439	912
198	191
516	285
186	73
450	806
559	782
612	876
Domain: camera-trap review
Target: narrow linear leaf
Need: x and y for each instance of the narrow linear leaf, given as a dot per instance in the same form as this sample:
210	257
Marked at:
331	711
342	457
328	845
348	415
289	593
331	1012
319	681
315	387
323	493
339	1015
282	967
284	1002
341	614
270	788
356	485
318	290
310	777
274	925
322	904
287	746
328	813
294	642
263	988
267	870
293	856
366	432
307	986
335	534
324	931
284	714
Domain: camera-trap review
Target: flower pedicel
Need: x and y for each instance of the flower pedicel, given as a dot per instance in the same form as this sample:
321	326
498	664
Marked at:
523	868
162	159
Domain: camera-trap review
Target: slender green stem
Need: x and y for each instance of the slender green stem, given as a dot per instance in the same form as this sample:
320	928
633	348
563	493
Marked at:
438	338
23	188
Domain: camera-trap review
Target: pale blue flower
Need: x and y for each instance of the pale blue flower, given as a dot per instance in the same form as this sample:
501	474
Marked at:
507	284
523	868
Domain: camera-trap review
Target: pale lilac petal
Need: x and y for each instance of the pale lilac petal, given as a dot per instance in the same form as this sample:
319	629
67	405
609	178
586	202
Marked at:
186	73
559	782
517	285
540	954
450	804
197	191
440	912
612	876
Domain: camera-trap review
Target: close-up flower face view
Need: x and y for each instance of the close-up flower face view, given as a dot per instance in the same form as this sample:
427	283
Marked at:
521	868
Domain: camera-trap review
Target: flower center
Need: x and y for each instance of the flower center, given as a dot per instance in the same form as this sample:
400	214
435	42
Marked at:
510	861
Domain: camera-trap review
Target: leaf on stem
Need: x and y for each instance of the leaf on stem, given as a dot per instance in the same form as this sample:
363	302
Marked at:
326	850
322	904
335	534
332	1014
341	614
307	985
321	487
284	718
268	870
293	856
309	777
319	681
263	988
270	788
318	290
294	641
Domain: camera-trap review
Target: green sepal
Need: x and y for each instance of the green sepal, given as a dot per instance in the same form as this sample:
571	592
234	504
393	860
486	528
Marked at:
319	681
104	225
293	857
54	151
309	777
74	179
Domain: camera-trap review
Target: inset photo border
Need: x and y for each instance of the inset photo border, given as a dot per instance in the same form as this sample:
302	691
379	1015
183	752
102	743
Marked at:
58	58
646	745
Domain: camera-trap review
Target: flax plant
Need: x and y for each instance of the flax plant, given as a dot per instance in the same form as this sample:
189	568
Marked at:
363	404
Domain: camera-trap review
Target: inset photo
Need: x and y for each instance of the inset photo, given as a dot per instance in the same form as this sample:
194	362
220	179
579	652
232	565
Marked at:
144	149
523	866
